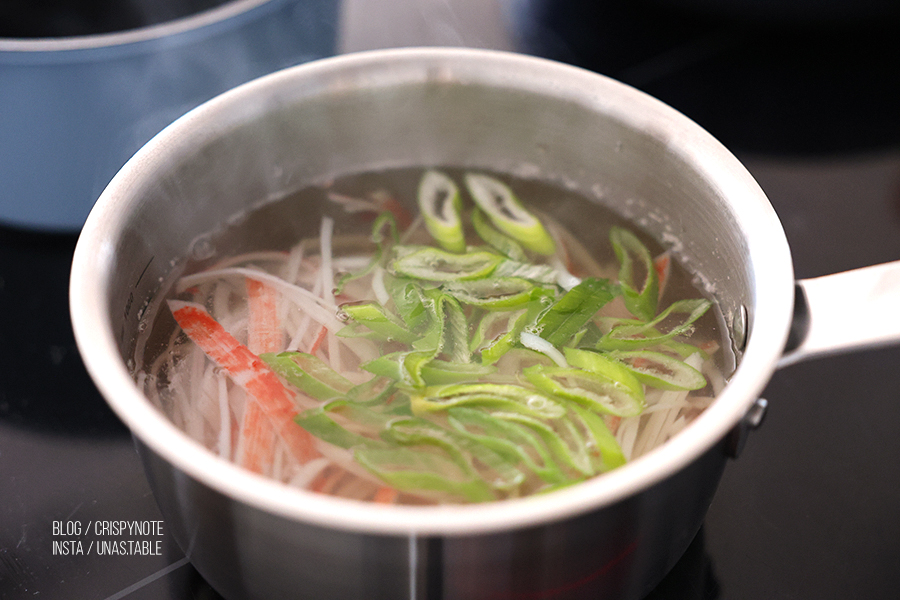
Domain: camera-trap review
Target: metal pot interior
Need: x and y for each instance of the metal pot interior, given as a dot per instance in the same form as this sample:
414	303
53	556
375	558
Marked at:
474	109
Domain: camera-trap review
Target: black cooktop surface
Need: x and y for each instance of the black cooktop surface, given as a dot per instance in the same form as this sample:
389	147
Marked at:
811	509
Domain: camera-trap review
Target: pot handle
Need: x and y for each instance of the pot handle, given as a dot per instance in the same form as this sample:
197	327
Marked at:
846	311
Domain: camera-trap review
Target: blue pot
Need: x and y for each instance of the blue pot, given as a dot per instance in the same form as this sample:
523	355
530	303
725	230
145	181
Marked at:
73	110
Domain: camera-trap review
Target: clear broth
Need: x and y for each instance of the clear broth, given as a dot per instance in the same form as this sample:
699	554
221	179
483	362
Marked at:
278	226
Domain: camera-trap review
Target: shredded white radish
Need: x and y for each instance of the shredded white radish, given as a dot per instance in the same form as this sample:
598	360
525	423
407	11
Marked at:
415	227
564	279
627	434
306	473
290	289
352	204
539	344
326	271
224	418
381	293
350	263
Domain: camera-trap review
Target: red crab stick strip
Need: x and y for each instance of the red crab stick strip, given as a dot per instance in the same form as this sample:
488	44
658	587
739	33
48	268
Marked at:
386	495
257	447
662	265
264	335
247	371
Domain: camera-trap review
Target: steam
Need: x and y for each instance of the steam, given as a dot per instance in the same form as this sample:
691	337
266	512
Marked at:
185	70
375	24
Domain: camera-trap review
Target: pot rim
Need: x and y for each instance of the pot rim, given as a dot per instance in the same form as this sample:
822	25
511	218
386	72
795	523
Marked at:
199	20
767	252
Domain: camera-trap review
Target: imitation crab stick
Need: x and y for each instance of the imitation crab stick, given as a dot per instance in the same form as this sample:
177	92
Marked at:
662	265
385	495
264	335
257	439
387	202
319	339
247	371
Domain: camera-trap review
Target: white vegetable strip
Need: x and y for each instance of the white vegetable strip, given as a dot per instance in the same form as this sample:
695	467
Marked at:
539	344
350	263
564	279
303	329
352	204
317	308
627	434
299	334
224	418
413	229
378	288
326	271
306	473
248	257
290	289
327	274
651	435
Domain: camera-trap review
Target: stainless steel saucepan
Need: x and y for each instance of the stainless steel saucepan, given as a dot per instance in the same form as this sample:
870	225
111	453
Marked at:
612	537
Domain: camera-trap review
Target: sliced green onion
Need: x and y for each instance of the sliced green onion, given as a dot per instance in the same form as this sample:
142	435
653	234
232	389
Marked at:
592	390
640	299
411	469
661	370
404	367
380	321
502	243
496	348
611	455
492	395
573	310
682	349
570	451
495	293
507	214
489	327
432	338
440	372
413	431
433	264
319	424
374	392
542	274
375	420
447	329
631	335
388	365
518	321
407	296
308	374
440	204
383	222
510	439
613	370
456	330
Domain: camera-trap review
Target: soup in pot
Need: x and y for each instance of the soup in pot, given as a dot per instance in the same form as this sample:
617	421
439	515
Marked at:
436	336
